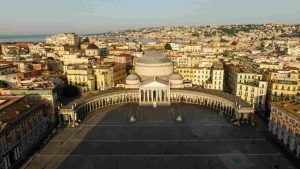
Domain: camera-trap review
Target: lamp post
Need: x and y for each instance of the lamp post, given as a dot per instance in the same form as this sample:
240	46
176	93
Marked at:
276	166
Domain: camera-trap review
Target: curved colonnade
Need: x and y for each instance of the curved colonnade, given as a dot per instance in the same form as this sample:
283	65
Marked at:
231	105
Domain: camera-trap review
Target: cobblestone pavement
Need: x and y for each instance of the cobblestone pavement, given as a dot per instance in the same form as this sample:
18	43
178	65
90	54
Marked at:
205	140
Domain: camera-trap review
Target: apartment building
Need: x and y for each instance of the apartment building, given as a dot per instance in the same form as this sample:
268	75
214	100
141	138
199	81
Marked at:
211	77
248	84
70	39
284	123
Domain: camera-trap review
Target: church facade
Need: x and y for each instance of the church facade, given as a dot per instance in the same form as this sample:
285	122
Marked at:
154	77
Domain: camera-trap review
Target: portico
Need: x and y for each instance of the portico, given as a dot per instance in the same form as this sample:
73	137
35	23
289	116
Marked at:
154	91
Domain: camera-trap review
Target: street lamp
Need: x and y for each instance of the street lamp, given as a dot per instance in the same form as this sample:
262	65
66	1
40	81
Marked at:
276	166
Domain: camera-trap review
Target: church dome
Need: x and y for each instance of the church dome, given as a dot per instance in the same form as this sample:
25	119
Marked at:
152	64
153	57
175	76
176	79
132	79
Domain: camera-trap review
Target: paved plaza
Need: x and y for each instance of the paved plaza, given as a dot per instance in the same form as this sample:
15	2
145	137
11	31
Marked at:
204	140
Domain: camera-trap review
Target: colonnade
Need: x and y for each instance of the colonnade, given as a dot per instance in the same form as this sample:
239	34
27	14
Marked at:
76	113
226	107
160	96
284	134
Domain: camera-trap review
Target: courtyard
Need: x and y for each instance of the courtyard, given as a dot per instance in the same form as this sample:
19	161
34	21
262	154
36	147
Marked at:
106	140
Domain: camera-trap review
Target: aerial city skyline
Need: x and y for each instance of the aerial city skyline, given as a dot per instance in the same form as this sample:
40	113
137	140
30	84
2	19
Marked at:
98	16
140	84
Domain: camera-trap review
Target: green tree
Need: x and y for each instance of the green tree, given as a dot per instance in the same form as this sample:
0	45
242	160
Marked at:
168	46
196	34
71	91
3	84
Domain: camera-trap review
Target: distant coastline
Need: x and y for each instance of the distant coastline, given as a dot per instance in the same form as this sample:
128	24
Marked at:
22	38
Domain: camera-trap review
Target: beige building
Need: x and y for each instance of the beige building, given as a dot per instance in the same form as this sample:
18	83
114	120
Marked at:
81	76
96	77
253	92
63	39
211	77
281	90
284	123
92	50
75	58
248	84
284	84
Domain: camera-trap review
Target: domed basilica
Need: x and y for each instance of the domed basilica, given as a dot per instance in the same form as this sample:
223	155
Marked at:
154	76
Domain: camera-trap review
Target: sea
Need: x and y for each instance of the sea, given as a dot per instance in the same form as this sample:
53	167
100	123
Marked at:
22	38
41	38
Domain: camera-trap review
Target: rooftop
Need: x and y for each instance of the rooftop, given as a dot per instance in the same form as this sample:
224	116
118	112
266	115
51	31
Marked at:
292	108
92	46
13	107
153	57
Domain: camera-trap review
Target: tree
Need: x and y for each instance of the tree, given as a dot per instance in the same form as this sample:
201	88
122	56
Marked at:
71	91
168	46
196	34
103	52
3	84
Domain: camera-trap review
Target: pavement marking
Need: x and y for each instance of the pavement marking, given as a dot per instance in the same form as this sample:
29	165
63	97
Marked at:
150	124
160	140
157	155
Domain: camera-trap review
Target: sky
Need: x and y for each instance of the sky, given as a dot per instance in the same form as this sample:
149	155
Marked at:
26	17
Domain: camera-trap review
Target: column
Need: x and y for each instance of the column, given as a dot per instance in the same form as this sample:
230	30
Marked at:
147	96
156	95
140	96
73	120
292	143
15	154
168	95
5	162
8	161
18	151
165	95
